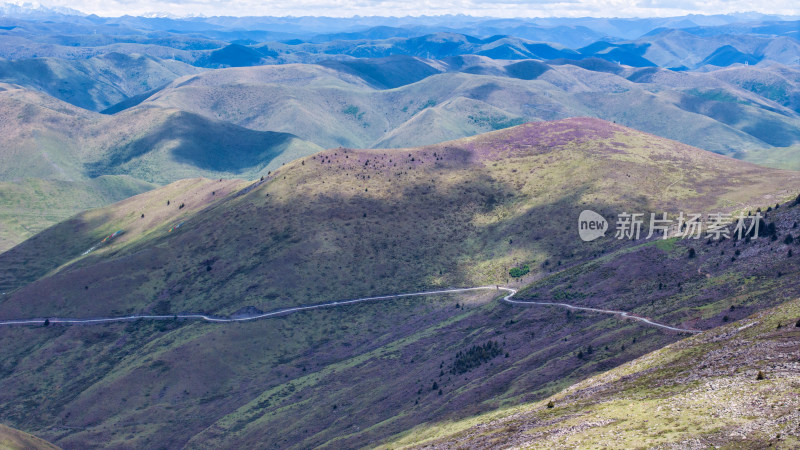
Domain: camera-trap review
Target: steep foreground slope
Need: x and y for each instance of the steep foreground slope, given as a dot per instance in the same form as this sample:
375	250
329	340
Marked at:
736	386
12	439
345	224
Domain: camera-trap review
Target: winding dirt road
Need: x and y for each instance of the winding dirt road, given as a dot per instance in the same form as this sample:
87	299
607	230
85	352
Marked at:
281	312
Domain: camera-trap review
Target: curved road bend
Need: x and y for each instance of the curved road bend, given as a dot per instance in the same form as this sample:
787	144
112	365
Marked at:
280	312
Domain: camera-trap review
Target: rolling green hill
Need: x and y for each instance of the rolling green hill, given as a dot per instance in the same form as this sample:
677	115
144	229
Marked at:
432	101
348	223
57	160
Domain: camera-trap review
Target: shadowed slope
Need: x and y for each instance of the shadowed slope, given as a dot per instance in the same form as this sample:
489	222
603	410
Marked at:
732	386
94	83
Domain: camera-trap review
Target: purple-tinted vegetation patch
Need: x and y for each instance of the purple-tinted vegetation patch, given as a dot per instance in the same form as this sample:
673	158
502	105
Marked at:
541	137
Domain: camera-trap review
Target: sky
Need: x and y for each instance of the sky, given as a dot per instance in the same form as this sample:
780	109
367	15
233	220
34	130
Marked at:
484	8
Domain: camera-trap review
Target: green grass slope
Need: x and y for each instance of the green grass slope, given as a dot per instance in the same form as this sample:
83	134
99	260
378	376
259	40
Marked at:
57	159
704	391
11	439
29	206
343	224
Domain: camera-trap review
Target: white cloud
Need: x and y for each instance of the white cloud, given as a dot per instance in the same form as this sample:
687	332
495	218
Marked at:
493	8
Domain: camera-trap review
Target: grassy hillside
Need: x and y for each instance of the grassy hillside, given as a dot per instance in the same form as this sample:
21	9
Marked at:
57	160
487	190
344	224
31	205
732	387
12	439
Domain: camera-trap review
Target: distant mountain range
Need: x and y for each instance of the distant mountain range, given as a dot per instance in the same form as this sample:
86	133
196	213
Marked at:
225	42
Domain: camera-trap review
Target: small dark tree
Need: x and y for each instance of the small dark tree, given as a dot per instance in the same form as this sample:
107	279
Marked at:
788	240
435	386
760	376
550	404
797	324
47	322
691	253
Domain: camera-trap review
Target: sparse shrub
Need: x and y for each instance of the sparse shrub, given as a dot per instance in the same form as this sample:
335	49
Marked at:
550	405
181	207
760	376
440	392
788	240
771	230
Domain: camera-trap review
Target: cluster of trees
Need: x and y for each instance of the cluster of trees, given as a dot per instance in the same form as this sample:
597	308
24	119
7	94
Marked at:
517	272
475	356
